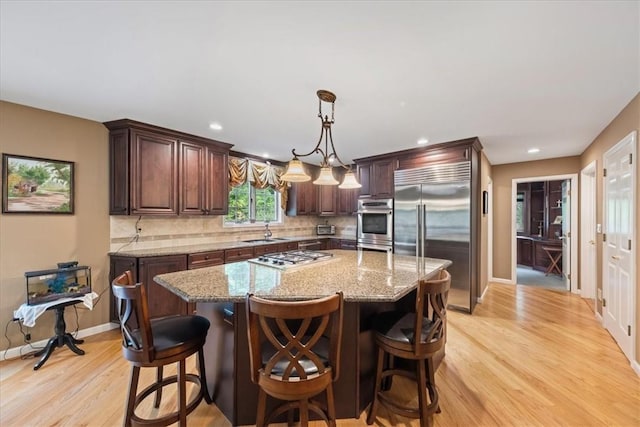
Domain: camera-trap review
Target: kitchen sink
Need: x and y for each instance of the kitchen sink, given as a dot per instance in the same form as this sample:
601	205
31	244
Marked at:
273	239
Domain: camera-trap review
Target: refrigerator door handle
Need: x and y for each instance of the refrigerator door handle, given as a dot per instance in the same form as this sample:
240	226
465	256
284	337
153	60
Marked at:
418	240
423	232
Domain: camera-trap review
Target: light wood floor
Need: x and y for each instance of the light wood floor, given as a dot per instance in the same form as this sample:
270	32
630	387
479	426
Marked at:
526	357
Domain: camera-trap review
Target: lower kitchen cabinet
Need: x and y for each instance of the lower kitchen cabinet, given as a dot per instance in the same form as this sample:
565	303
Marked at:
161	302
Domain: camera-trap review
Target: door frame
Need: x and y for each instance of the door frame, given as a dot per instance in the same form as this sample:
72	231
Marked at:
588	270
574	225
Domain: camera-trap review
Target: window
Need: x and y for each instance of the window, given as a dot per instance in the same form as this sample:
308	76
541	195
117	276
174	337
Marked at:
520	213
249	205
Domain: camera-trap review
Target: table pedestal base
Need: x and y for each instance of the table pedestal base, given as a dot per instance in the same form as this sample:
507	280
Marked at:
61	339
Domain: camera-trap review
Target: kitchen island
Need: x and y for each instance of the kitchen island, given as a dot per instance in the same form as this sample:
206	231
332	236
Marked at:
370	281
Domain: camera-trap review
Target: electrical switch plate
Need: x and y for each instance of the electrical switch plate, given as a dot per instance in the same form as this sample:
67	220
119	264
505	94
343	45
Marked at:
598	228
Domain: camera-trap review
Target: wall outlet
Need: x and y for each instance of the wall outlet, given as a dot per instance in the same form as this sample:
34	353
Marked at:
599	294
598	228
27	336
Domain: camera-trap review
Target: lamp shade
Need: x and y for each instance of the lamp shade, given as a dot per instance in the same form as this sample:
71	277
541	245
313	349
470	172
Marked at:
349	181
295	172
326	177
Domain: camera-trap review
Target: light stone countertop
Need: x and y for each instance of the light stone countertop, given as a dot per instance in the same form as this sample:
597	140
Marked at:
206	247
360	275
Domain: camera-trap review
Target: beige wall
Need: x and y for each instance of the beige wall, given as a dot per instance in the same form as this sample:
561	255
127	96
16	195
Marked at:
626	122
502	176
36	242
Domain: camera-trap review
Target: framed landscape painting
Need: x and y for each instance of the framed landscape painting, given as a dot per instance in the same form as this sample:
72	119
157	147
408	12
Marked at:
35	185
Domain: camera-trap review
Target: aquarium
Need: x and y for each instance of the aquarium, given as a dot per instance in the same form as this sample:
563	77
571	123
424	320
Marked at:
69	280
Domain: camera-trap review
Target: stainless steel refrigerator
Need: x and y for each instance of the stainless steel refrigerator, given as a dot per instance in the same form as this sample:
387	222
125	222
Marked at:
432	218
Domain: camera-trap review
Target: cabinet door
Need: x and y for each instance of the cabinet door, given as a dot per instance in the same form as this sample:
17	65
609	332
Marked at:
192	182
161	301
307	198
154	174
347	201
364	176
217	182
382	178
119	172
327	199
118	265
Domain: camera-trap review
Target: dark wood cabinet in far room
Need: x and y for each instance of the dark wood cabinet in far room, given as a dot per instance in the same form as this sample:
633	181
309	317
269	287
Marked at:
157	171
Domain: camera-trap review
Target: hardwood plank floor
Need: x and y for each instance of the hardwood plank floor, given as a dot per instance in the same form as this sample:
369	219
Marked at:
526	357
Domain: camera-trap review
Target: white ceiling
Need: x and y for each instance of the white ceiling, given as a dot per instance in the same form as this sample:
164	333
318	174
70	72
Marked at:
518	75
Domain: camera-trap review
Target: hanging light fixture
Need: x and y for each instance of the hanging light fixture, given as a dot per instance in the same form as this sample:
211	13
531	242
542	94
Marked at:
295	170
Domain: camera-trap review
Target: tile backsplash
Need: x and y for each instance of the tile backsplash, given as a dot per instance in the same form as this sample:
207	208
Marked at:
159	232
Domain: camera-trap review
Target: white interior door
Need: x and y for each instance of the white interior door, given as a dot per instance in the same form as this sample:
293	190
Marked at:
566	233
618	257
588	231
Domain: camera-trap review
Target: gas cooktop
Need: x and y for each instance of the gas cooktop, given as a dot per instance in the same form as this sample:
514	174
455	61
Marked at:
284	260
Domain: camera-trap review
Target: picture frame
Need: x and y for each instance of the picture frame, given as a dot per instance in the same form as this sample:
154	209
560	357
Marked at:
34	185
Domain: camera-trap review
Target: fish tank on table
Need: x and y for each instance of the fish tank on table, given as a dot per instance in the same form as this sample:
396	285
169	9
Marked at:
69	280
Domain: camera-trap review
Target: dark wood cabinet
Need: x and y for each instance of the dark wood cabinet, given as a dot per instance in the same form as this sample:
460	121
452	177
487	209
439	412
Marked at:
303	196
541	209
161	302
525	251
157	171
154	174
347	201
376	177
238	254
205	259
203	180
327	200
346	244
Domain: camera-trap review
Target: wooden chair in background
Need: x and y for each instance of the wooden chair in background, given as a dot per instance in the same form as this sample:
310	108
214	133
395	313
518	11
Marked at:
294	352
395	335
156	343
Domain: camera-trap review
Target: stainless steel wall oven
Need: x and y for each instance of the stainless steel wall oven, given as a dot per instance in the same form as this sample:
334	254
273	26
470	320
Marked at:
375	224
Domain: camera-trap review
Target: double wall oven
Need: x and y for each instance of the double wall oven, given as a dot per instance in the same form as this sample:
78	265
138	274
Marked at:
375	224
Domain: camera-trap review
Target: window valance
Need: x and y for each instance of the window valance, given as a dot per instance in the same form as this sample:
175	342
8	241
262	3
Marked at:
260	175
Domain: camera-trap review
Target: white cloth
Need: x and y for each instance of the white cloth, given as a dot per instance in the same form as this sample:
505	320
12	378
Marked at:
29	313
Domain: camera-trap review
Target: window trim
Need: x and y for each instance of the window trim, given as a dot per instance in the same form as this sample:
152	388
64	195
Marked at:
252	213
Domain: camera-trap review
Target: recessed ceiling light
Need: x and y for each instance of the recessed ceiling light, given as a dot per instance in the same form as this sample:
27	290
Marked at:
533	150
215	126
265	155
423	141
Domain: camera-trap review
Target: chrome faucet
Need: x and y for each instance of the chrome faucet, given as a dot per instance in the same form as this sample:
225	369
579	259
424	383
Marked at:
267	232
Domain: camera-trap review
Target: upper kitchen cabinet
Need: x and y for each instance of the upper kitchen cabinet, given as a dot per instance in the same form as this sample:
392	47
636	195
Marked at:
376	177
203	183
158	171
303	196
462	150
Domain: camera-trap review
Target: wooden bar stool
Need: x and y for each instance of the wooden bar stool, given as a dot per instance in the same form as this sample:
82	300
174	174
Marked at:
156	343
395	335
294	352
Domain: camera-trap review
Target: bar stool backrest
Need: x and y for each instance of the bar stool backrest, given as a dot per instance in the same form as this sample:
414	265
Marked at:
431	302
133	312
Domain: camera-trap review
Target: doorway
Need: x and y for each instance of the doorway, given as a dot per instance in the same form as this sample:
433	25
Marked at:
544	218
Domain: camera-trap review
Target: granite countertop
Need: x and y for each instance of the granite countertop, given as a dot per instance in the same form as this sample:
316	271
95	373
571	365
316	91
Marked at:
206	247
360	275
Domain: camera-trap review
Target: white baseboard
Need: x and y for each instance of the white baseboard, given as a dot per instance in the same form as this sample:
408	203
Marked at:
24	349
481	297
598	317
636	367
504	281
